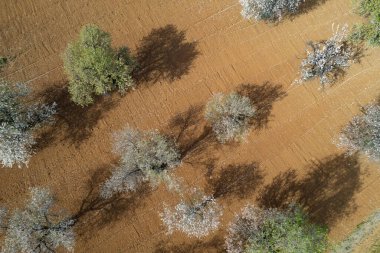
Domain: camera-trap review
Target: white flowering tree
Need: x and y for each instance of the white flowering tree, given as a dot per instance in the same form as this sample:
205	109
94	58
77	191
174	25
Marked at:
36	228
196	218
271	230
145	156
363	133
229	115
269	10
17	122
327	59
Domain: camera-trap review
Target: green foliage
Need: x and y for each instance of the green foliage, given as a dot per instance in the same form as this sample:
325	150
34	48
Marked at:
94	68
369	7
375	248
3	61
288	232
369	31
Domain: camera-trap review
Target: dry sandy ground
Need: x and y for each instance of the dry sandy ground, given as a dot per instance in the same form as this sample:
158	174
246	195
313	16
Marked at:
190	49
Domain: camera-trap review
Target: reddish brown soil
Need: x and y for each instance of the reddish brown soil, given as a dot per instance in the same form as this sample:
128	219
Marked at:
189	50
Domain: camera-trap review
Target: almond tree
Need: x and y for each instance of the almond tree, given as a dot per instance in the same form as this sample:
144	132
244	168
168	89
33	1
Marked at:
18	120
145	156
271	230
270	10
36	228
363	133
229	116
327	59
196	217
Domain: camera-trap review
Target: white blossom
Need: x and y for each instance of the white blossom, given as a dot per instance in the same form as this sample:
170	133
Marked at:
17	122
363	133
36	229
271	10
145	156
327	58
229	116
196	218
241	228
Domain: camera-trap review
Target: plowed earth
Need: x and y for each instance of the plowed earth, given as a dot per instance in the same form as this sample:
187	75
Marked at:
189	50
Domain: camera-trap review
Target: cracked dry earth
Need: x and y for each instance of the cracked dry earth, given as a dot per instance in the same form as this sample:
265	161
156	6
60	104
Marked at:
189	50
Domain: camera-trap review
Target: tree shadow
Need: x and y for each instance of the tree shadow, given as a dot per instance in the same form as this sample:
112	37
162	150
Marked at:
262	98
237	181
96	212
164	54
193	137
216	244
326	191
76	123
281	192
308	6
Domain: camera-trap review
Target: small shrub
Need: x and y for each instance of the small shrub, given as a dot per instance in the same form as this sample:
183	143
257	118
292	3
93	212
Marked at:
3	61
36	228
17	122
270	10
145	156
196	218
94	68
326	59
369	31
363	133
229	116
257	230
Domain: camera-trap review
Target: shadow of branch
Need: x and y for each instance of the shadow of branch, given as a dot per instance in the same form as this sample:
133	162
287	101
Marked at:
237	181
74	122
216	244
194	138
96	212
262	98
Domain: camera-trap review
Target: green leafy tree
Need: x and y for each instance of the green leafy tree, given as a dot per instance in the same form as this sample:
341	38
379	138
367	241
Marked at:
369	31
260	231
94	68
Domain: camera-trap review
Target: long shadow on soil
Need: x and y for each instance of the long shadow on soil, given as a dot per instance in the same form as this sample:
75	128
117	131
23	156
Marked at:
237	181
262	97
194	138
74	122
164	54
96	212
326	192
216	244
310	5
